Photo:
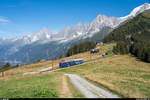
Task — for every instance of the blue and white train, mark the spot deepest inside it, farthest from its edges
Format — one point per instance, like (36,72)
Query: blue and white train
(70,62)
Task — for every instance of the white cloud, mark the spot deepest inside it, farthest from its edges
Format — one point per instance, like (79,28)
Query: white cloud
(3,20)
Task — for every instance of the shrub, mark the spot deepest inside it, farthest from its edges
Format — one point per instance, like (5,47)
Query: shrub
(45,93)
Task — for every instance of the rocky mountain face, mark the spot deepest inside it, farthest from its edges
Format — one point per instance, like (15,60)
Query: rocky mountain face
(50,44)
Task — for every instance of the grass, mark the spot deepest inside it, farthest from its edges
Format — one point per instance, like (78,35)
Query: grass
(145,76)
(45,86)
(123,74)
(7,68)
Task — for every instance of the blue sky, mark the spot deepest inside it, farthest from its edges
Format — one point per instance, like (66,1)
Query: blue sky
(19,17)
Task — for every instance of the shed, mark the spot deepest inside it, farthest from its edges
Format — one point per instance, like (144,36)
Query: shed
(94,50)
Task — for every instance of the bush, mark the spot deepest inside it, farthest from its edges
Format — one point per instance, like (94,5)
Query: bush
(47,93)
(7,65)
(38,60)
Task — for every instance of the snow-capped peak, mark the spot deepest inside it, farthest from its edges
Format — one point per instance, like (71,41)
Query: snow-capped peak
(44,34)
(140,9)
(81,29)
(137,11)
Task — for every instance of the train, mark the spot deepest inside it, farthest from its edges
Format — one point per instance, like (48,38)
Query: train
(70,62)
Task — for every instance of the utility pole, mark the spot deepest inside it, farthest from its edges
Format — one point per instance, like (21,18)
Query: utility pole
(90,55)
(2,61)
(52,64)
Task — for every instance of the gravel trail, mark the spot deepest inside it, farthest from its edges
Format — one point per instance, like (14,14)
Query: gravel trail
(89,90)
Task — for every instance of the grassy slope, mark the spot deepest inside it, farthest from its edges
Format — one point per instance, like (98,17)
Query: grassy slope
(46,85)
(124,75)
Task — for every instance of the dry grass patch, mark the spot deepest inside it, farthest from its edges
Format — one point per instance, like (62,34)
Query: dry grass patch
(65,93)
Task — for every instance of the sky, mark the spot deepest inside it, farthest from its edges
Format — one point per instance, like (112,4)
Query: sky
(18,17)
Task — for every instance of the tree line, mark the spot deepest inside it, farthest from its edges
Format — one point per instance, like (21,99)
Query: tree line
(81,47)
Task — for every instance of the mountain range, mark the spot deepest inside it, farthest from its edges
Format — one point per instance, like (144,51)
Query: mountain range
(51,45)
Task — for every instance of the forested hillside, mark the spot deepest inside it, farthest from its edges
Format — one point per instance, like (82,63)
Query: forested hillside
(133,37)
(81,47)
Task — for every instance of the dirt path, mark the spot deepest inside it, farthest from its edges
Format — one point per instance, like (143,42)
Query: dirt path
(65,92)
(88,89)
